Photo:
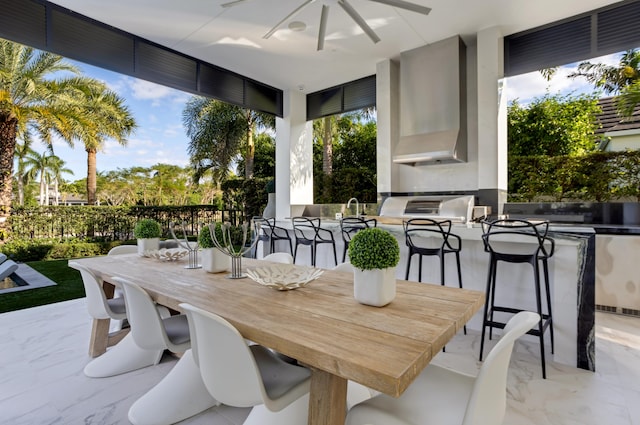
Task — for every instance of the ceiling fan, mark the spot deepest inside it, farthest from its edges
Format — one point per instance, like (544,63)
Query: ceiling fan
(324,16)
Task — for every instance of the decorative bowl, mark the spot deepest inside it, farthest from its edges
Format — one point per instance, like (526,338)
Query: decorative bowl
(167,254)
(284,277)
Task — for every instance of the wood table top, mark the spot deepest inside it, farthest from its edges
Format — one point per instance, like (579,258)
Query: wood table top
(321,324)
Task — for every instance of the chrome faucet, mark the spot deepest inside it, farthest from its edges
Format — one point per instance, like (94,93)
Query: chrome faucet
(357,206)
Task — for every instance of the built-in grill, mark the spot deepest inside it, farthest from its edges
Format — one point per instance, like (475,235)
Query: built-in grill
(457,209)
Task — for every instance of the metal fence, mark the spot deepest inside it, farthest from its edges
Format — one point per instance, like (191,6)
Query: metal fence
(109,223)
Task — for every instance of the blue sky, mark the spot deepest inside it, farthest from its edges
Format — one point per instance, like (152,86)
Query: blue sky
(160,137)
(528,86)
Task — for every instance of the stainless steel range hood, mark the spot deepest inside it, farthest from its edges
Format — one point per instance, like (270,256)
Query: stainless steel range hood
(433,105)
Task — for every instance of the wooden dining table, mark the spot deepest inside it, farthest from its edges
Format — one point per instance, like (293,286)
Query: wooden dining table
(321,324)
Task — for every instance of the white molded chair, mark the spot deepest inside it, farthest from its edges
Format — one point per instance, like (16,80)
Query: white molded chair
(116,325)
(180,394)
(128,355)
(7,267)
(279,257)
(123,249)
(344,267)
(441,396)
(98,305)
(240,375)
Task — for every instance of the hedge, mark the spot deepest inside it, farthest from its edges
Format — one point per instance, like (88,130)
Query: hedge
(600,176)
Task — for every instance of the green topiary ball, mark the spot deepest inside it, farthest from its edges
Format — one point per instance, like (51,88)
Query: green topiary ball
(374,248)
(204,238)
(147,228)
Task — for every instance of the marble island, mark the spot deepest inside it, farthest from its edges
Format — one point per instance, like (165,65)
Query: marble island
(572,279)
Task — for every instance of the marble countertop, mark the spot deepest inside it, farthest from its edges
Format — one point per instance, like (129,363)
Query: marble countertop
(468,231)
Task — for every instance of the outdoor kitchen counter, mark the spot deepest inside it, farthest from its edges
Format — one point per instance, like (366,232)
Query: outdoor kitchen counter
(572,279)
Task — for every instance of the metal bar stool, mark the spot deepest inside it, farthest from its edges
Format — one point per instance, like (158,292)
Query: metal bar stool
(308,232)
(259,233)
(349,226)
(430,237)
(270,233)
(425,236)
(524,242)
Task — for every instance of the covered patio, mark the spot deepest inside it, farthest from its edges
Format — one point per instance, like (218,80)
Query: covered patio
(212,49)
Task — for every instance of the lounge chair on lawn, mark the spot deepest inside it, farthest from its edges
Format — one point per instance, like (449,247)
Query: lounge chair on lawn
(7,267)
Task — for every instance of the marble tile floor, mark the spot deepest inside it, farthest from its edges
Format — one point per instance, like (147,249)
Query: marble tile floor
(43,351)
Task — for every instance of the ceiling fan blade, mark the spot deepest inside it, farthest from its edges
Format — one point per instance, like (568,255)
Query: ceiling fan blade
(286,18)
(405,5)
(322,32)
(232,3)
(359,20)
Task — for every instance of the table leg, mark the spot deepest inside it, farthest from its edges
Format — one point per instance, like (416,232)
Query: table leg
(99,337)
(327,398)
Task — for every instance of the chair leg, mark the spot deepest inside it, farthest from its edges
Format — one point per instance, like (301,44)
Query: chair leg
(460,281)
(419,268)
(493,296)
(290,248)
(344,253)
(406,275)
(541,323)
(486,305)
(313,254)
(272,246)
(335,255)
(295,253)
(441,257)
(545,268)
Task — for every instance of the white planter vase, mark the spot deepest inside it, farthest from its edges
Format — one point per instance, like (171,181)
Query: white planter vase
(374,287)
(150,244)
(214,260)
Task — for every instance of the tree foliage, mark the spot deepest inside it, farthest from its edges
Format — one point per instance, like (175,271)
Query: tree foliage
(622,79)
(553,125)
(354,163)
(219,133)
(40,94)
(215,130)
(264,161)
(611,78)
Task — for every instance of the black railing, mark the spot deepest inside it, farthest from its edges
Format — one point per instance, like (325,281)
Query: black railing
(107,222)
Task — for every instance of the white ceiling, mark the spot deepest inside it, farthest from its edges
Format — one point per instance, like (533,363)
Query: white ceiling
(232,38)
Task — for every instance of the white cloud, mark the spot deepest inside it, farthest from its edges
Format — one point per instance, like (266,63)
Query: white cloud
(144,90)
(528,86)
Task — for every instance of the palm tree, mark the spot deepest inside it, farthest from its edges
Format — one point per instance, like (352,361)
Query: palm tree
(255,120)
(107,118)
(39,92)
(219,132)
(56,168)
(39,165)
(22,177)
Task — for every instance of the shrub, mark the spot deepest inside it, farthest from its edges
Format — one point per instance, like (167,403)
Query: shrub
(204,237)
(25,250)
(147,228)
(374,248)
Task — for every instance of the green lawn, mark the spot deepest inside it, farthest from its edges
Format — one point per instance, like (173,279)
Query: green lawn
(69,286)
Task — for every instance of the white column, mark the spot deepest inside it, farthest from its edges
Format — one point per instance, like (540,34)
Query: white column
(492,113)
(388,121)
(294,155)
